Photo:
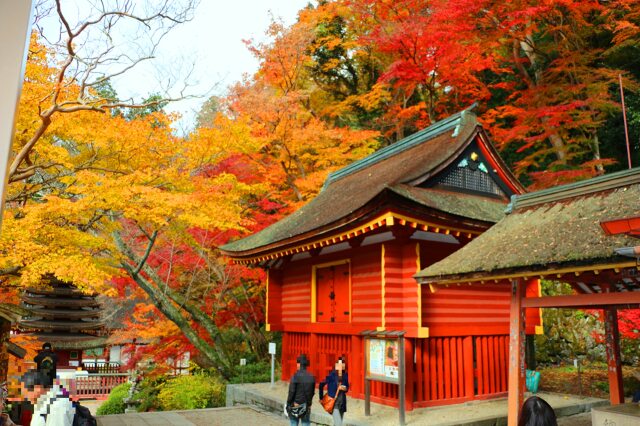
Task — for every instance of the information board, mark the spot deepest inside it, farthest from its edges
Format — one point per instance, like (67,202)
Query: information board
(382,359)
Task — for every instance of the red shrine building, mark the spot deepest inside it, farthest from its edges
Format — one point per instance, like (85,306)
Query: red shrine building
(344,265)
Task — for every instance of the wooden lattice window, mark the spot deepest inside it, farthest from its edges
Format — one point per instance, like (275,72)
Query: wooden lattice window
(471,176)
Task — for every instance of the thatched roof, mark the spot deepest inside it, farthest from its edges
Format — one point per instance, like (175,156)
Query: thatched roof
(548,230)
(400,168)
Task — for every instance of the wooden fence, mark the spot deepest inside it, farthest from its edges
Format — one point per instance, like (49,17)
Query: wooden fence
(95,386)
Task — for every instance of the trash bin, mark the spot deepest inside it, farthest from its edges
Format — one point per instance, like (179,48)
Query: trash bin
(532,381)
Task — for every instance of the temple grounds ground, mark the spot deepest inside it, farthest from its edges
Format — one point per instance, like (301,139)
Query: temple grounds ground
(251,415)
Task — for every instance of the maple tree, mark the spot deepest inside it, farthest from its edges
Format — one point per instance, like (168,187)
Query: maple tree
(104,194)
(98,183)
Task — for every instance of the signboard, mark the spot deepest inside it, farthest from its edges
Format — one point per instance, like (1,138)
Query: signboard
(272,348)
(382,359)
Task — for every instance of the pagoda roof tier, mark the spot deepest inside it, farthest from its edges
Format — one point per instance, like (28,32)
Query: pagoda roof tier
(412,170)
(71,341)
(551,232)
(65,313)
(59,302)
(58,291)
(61,325)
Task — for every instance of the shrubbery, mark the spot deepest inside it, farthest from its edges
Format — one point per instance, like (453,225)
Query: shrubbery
(254,372)
(191,392)
(115,403)
(147,393)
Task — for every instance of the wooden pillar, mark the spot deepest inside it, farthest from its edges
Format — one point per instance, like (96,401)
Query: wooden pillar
(531,352)
(284,357)
(410,376)
(612,339)
(516,351)
(469,373)
(355,369)
(5,327)
(314,356)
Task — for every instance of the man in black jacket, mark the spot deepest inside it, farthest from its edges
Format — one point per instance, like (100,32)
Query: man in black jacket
(47,362)
(301,389)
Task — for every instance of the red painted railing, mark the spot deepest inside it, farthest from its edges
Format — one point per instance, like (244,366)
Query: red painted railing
(95,386)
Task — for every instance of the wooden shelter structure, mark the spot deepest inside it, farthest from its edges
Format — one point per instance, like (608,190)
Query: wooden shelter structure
(344,263)
(557,234)
(66,317)
(9,315)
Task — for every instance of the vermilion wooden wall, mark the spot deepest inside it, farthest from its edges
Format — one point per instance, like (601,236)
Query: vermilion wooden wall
(464,358)
(478,309)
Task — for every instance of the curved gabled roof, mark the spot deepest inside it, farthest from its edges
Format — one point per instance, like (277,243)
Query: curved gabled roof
(348,190)
(549,230)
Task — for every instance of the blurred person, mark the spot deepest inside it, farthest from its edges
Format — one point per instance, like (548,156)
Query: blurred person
(301,389)
(52,406)
(337,383)
(47,361)
(537,412)
(5,420)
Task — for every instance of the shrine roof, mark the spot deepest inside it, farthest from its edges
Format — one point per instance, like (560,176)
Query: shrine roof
(556,229)
(465,205)
(398,168)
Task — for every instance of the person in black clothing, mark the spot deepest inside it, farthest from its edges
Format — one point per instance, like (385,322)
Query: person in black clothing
(47,362)
(301,389)
(337,380)
(537,412)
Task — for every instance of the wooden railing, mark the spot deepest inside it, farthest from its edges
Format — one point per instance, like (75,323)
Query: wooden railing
(96,386)
(102,367)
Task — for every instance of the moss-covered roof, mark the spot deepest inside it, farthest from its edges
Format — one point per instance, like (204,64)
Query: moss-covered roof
(551,229)
(392,168)
(464,205)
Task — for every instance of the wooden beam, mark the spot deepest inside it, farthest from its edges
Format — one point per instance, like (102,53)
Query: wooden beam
(516,351)
(581,300)
(612,340)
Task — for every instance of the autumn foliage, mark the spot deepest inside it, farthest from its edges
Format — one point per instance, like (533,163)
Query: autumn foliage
(107,196)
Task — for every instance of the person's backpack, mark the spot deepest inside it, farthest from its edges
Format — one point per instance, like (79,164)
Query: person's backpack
(83,417)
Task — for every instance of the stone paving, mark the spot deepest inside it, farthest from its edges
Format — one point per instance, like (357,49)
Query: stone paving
(240,415)
(261,405)
(477,413)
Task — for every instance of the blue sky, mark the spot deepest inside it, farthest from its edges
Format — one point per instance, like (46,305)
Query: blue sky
(213,42)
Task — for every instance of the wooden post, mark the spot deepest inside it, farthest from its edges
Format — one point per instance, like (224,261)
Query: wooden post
(409,373)
(612,338)
(516,351)
(357,380)
(314,357)
(402,366)
(5,328)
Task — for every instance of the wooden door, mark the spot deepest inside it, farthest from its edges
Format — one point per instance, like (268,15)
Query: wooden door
(332,293)
(341,290)
(324,291)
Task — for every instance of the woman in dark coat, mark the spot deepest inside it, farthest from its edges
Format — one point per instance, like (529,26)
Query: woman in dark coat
(338,379)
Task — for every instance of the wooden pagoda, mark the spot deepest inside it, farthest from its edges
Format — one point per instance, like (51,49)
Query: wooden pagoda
(344,263)
(65,317)
(583,234)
